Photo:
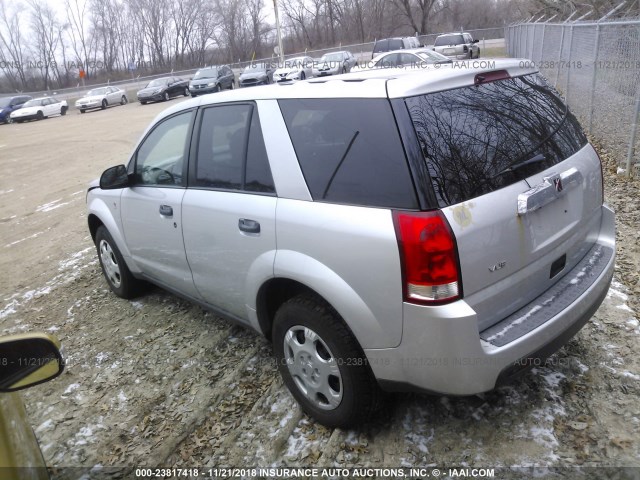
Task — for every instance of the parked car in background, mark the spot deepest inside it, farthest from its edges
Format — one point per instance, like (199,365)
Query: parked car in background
(101,98)
(334,63)
(298,68)
(162,89)
(9,104)
(458,45)
(416,58)
(39,108)
(26,360)
(380,232)
(211,79)
(396,43)
(256,74)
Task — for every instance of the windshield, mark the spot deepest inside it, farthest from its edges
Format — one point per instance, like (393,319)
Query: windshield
(97,91)
(294,62)
(449,40)
(33,103)
(258,67)
(206,73)
(158,82)
(4,102)
(331,57)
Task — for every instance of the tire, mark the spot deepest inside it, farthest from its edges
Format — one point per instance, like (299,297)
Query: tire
(344,69)
(186,92)
(302,76)
(104,104)
(232,86)
(217,89)
(63,111)
(166,96)
(114,268)
(83,111)
(40,115)
(350,394)
(123,100)
(478,56)
(143,103)
(9,120)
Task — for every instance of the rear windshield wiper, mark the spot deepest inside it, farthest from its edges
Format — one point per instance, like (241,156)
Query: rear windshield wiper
(537,159)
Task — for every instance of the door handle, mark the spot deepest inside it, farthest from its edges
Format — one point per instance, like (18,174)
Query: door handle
(166,211)
(248,226)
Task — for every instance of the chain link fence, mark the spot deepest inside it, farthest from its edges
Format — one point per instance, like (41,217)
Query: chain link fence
(596,66)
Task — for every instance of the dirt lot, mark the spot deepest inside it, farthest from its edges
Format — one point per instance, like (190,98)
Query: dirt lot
(159,382)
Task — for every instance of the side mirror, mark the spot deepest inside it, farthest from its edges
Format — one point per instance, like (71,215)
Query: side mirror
(27,360)
(114,177)
(475,41)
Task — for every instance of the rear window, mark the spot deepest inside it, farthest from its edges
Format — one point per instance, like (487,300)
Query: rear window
(449,40)
(471,136)
(350,151)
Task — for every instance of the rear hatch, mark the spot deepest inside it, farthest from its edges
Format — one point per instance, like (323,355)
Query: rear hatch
(518,183)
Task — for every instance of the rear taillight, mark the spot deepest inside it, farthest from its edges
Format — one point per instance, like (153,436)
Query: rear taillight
(429,256)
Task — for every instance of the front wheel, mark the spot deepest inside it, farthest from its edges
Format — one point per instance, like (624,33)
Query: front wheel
(186,92)
(63,111)
(103,105)
(166,96)
(40,115)
(302,76)
(478,56)
(123,100)
(322,364)
(232,86)
(114,268)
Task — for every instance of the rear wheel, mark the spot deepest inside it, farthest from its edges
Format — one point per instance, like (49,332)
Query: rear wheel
(322,364)
(232,85)
(9,120)
(166,96)
(302,76)
(39,115)
(115,270)
(63,110)
(217,89)
(478,56)
(104,104)
(142,102)
(83,110)
(123,100)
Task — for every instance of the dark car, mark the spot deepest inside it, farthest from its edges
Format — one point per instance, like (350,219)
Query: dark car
(256,74)
(9,104)
(163,89)
(211,79)
(396,43)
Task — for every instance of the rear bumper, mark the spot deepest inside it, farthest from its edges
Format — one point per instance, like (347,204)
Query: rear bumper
(443,352)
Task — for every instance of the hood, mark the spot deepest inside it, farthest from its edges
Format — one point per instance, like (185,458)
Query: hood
(91,98)
(203,81)
(286,70)
(26,111)
(148,90)
(253,75)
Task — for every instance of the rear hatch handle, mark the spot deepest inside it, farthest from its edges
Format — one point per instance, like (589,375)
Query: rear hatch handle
(552,187)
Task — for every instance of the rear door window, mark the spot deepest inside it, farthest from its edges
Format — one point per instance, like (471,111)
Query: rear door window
(350,151)
(472,137)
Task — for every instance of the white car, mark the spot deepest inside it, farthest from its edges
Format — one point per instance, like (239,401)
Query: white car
(101,98)
(39,108)
(298,68)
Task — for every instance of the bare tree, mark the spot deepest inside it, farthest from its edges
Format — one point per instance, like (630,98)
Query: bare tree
(12,49)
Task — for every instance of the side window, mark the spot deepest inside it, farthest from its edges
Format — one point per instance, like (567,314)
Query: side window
(407,59)
(231,151)
(350,151)
(388,61)
(161,157)
(258,173)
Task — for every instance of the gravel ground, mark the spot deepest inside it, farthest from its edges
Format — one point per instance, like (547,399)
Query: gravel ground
(160,382)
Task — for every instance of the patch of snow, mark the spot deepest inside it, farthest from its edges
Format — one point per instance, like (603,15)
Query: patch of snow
(47,207)
(44,426)
(71,388)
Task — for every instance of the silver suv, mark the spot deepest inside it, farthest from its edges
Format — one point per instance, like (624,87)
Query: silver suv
(458,45)
(438,231)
